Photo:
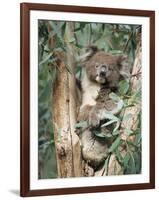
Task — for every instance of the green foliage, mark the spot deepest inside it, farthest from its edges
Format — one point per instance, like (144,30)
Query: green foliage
(123,87)
(115,144)
(113,38)
(112,119)
(47,160)
(131,161)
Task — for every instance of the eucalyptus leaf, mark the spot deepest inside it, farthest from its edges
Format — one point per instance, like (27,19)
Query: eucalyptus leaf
(116,132)
(71,40)
(119,156)
(110,116)
(116,52)
(108,123)
(117,126)
(113,119)
(126,160)
(45,94)
(46,58)
(115,144)
(114,97)
(102,135)
(129,132)
(132,164)
(137,157)
(123,87)
(106,164)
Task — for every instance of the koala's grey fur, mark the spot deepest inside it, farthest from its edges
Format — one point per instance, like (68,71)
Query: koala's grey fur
(101,74)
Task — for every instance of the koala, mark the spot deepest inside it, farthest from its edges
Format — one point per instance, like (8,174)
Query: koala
(94,148)
(100,70)
(101,74)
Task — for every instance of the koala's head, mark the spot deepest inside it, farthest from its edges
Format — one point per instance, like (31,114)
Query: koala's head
(102,67)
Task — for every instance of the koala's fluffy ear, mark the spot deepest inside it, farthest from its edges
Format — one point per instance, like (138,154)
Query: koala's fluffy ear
(124,66)
(89,52)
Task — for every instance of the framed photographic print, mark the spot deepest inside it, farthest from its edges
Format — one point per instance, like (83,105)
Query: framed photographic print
(87,99)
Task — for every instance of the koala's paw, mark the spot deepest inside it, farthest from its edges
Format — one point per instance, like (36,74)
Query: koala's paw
(94,120)
(88,170)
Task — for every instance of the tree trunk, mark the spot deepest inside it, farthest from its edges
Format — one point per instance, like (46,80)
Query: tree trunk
(132,122)
(68,150)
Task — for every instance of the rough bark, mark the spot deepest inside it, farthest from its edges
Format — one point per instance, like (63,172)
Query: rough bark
(68,151)
(76,149)
(132,122)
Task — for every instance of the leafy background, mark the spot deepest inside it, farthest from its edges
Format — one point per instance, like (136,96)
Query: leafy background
(113,38)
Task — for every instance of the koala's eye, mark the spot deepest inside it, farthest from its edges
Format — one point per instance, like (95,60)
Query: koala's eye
(96,66)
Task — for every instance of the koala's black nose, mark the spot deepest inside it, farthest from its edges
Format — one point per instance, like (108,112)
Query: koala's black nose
(102,73)
(103,70)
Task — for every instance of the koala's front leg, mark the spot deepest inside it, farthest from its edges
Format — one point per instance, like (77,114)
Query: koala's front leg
(84,113)
(83,116)
(96,114)
(99,111)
